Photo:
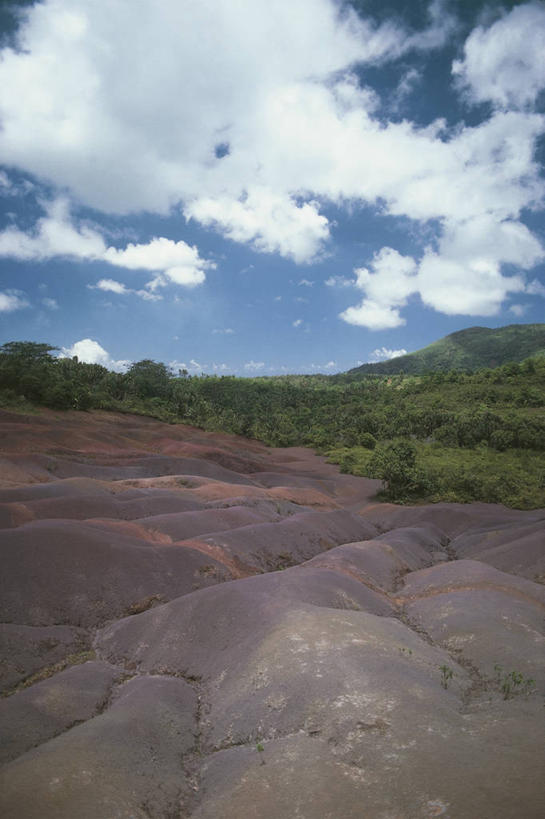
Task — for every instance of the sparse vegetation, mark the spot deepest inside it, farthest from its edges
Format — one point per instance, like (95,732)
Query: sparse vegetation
(145,604)
(512,683)
(50,670)
(446,675)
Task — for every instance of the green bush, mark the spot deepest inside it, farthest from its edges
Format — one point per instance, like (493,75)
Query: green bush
(395,464)
(367,440)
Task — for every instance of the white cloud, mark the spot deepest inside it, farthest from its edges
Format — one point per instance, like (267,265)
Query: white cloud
(535,288)
(297,323)
(306,283)
(112,286)
(228,331)
(406,85)
(50,304)
(11,300)
(442,24)
(340,281)
(56,236)
(270,222)
(280,91)
(91,352)
(372,315)
(384,354)
(196,368)
(124,132)
(505,63)
(386,289)
(463,276)
(321,367)
(518,310)
(254,366)
(472,289)
(5,184)
(192,367)
(178,262)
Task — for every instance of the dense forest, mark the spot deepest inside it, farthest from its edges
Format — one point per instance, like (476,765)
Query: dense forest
(456,436)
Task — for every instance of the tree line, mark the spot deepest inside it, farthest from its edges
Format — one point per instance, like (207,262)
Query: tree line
(498,409)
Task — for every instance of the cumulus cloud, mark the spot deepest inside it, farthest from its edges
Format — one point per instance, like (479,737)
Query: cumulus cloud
(55,235)
(250,121)
(112,117)
(384,354)
(254,366)
(505,63)
(11,300)
(270,222)
(178,262)
(387,287)
(91,352)
(297,323)
(465,275)
(462,276)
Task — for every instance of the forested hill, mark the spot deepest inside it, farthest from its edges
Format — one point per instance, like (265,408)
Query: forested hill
(469,349)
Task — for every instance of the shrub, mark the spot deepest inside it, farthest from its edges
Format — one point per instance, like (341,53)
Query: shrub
(395,465)
(367,440)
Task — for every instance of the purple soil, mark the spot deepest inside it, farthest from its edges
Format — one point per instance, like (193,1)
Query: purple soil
(196,625)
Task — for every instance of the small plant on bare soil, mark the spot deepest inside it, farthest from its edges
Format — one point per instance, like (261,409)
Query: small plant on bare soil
(260,748)
(446,675)
(512,683)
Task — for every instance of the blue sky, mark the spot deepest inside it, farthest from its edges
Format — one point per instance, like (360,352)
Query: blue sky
(240,186)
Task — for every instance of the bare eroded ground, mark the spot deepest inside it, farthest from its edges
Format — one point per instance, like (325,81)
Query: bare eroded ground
(195,625)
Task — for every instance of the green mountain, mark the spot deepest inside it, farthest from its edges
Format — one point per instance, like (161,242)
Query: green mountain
(468,349)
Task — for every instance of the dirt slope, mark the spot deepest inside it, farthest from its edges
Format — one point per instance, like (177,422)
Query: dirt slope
(195,625)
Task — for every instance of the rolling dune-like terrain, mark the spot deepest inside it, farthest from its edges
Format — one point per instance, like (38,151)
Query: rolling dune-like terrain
(197,625)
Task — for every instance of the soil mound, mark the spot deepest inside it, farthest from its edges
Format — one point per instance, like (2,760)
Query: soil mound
(197,626)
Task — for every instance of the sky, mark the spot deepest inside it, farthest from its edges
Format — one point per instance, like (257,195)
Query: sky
(255,188)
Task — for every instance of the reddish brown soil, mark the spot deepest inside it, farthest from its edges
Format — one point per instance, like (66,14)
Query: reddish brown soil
(196,625)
